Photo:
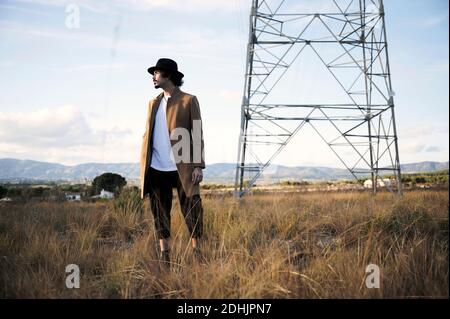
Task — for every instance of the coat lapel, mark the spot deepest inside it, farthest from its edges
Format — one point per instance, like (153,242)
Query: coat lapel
(154,109)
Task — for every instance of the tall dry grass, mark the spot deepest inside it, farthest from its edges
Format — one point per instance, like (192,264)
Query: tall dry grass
(266,246)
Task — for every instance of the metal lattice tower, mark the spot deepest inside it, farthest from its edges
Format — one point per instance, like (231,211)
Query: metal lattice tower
(349,39)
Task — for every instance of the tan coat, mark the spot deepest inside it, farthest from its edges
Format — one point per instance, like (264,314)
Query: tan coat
(182,109)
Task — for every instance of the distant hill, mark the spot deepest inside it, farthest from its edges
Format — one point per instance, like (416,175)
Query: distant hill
(14,169)
(226,172)
(11,169)
(424,167)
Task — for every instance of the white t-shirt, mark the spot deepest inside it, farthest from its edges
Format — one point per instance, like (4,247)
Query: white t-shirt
(162,156)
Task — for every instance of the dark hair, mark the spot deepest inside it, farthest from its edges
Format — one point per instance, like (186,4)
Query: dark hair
(174,77)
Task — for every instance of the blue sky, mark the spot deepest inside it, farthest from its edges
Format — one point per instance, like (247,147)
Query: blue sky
(80,95)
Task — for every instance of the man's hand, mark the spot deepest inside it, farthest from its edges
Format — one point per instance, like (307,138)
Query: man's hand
(197,175)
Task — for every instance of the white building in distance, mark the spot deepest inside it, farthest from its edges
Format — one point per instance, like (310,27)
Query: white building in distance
(104,194)
(386,182)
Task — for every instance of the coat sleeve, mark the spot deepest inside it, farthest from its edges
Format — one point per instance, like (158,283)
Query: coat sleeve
(198,155)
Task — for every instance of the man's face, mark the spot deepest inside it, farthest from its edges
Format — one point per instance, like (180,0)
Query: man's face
(158,80)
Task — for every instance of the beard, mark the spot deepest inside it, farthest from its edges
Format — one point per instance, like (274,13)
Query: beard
(157,86)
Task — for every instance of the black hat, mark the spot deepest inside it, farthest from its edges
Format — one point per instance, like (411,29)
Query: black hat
(167,65)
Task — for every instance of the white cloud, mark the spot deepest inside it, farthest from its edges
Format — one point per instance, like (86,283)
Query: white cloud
(12,27)
(91,5)
(232,96)
(143,5)
(310,6)
(433,149)
(73,155)
(5,7)
(198,44)
(176,5)
(97,67)
(433,21)
(64,135)
(438,67)
(422,131)
(415,148)
(61,127)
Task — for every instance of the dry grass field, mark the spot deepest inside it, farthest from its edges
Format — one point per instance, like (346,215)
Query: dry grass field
(267,246)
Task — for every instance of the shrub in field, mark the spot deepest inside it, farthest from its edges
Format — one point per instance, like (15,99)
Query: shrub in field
(129,200)
(124,215)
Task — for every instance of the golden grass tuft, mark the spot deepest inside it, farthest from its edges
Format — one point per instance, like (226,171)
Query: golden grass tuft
(266,246)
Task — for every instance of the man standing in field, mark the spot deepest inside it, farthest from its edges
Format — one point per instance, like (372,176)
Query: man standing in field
(172,156)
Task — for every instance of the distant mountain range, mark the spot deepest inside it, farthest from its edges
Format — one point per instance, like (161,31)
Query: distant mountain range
(19,170)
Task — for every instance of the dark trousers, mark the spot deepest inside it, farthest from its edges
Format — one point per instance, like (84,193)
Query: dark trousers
(160,186)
